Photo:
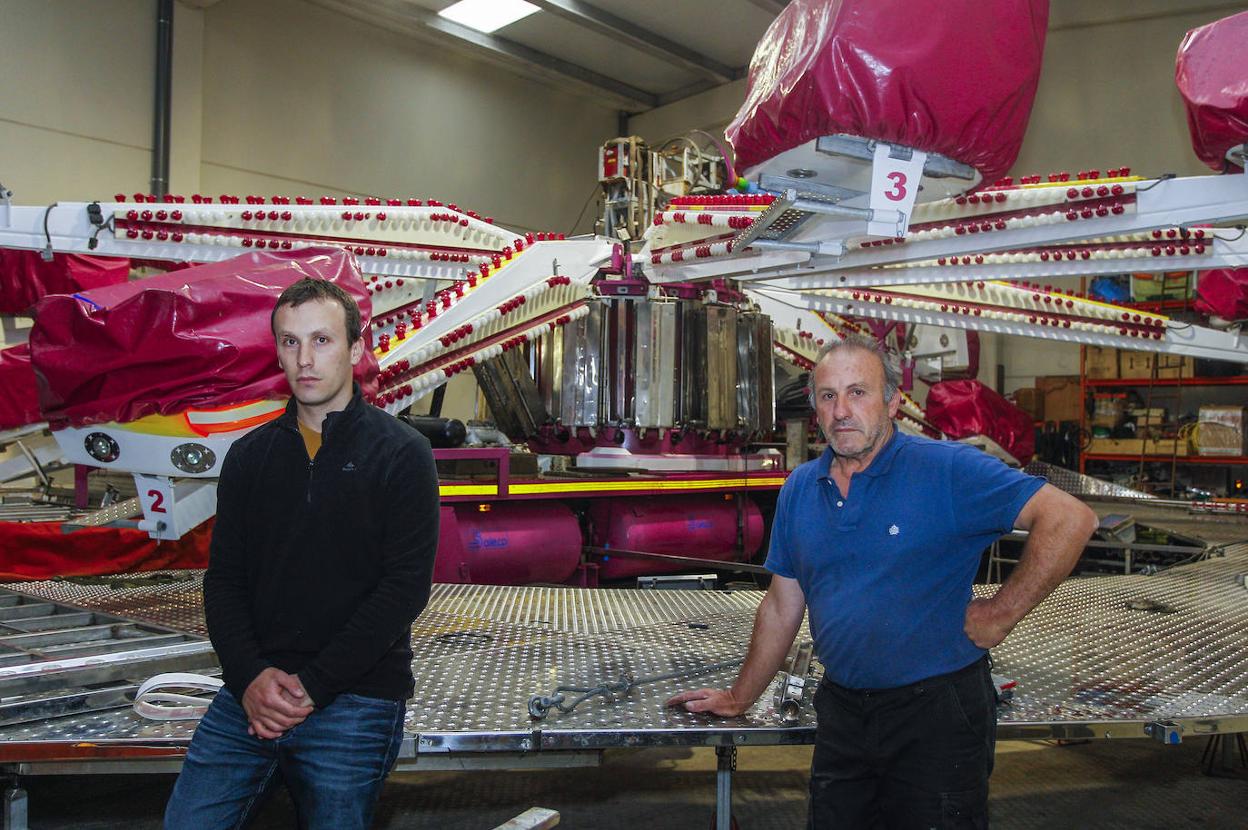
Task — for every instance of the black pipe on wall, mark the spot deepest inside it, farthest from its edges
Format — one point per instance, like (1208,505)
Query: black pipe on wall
(164,94)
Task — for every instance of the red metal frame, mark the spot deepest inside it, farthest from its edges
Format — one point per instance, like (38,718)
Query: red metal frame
(1181,459)
(1233,380)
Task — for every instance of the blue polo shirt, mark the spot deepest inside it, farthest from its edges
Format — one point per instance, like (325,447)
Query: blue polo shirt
(887,570)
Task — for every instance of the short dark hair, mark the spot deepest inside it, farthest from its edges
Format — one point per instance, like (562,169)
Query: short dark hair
(309,289)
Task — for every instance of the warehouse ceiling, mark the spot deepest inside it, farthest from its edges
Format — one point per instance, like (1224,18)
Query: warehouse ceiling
(634,56)
(642,54)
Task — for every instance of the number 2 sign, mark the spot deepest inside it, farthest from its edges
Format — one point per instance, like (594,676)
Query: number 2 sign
(156,496)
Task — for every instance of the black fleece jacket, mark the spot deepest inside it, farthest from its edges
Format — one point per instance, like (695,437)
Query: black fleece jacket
(319,567)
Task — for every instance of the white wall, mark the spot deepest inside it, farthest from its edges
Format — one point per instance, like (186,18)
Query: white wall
(299,99)
(76,101)
(1107,96)
(710,110)
(283,97)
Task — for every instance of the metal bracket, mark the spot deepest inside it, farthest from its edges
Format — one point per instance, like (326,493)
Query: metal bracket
(725,766)
(830,247)
(172,507)
(15,805)
(831,192)
(6,204)
(936,166)
(1166,731)
(790,692)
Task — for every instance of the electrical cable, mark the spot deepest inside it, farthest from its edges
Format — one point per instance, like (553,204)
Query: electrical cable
(93,242)
(47,236)
(728,161)
(1160,179)
(1241,228)
(580,215)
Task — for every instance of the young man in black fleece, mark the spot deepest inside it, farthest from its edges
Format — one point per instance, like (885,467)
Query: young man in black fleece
(322,555)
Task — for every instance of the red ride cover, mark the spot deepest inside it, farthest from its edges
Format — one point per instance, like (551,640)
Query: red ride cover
(198,337)
(1211,71)
(1223,292)
(955,77)
(961,408)
(19,399)
(25,277)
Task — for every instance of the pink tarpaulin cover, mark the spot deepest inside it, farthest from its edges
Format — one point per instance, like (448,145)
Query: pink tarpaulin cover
(25,277)
(193,338)
(961,408)
(1223,292)
(1211,71)
(955,77)
(19,400)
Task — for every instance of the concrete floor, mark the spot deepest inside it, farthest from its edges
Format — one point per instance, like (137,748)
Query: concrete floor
(1139,785)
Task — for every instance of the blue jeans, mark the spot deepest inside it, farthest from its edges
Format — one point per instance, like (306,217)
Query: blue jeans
(333,763)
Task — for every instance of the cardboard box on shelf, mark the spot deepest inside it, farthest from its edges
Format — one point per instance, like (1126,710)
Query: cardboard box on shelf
(1153,417)
(1175,366)
(1108,408)
(1063,397)
(1117,446)
(1030,400)
(1135,364)
(1221,430)
(1100,363)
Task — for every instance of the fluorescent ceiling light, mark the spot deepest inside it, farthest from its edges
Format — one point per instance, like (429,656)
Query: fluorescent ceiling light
(488,15)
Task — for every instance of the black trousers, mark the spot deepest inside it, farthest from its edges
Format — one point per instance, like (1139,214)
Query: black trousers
(917,756)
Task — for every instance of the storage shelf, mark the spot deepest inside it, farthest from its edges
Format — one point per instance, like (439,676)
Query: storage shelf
(1233,380)
(1161,305)
(1181,459)
(1162,387)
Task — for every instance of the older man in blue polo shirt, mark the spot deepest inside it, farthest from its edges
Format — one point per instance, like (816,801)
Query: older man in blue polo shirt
(881,538)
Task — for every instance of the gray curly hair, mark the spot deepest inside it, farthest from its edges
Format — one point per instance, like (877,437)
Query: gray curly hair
(892,371)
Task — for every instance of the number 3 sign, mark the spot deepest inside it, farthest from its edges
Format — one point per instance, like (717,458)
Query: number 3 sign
(895,177)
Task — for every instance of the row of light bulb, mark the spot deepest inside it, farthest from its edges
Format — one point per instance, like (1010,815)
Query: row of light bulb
(430,380)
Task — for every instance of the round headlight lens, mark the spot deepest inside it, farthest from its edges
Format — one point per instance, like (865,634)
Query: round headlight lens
(193,458)
(102,447)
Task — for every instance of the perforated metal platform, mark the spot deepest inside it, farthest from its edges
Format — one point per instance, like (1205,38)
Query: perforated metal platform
(1102,657)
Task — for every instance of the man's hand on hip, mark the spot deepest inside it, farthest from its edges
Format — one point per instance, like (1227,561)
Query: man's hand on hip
(984,623)
(713,701)
(275,702)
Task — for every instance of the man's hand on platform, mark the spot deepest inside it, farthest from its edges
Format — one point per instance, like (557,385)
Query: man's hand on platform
(720,702)
(275,702)
(985,624)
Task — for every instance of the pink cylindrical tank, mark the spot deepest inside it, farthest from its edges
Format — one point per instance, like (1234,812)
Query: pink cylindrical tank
(509,543)
(699,526)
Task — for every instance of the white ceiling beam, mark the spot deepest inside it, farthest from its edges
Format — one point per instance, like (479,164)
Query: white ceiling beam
(636,37)
(771,6)
(406,18)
